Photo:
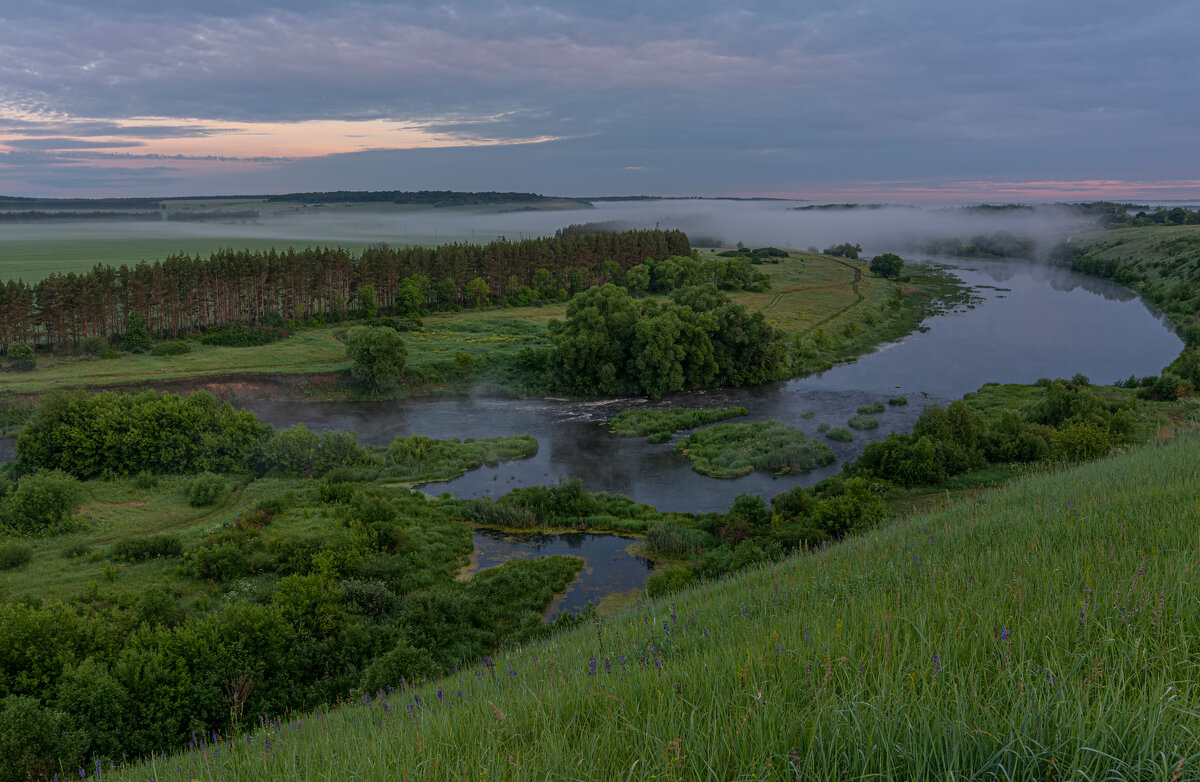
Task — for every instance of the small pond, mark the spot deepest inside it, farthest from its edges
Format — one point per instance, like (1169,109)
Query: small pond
(609,569)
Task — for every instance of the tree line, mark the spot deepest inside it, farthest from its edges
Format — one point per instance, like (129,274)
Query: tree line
(188,293)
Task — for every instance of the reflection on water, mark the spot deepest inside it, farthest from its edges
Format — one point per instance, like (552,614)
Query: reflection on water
(1050,322)
(609,567)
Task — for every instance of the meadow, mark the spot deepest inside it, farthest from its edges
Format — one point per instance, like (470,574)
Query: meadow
(829,308)
(1046,630)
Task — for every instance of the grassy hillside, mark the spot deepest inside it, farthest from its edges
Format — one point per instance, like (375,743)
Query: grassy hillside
(1162,263)
(1046,631)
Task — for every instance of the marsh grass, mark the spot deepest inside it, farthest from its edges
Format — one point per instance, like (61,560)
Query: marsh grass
(733,450)
(1046,630)
(863,422)
(658,425)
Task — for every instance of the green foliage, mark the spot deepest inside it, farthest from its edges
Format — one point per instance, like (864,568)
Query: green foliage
(300,451)
(675,540)
(672,578)
(170,349)
(658,425)
(35,741)
(206,489)
(136,338)
(402,664)
(21,357)
(14,554)
(732,450)
(378,356)
(874,407)
(15,410)
(43,501)
(419,458)
(96,345)
(138,549)
(128,433)
(839,434)
(368,303)
(898,401)
(914,590)
(844,250)
(243,335)
(887,265)
(613,345)
(863,422)
(1081,440)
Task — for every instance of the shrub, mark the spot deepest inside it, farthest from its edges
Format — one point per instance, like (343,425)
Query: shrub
(137,549)
(840,434)
(1080,441)
(14,554)
(35,741)
(206,489)
(676,540)
(170,349)
(242,335)
(221,562)
(136,338)
(21,357)
(864,422)
(45,500)
(874,407)
(898,401)
(669,579)
(887,265)
(377,355)
(95,345)
(145,480)
(404,663)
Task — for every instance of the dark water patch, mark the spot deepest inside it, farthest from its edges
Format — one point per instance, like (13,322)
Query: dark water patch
(609,566)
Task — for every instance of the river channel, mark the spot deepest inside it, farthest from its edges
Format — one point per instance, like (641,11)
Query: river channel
(1032,321)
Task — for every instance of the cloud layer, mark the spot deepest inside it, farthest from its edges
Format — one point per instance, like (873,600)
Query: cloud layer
(813,99)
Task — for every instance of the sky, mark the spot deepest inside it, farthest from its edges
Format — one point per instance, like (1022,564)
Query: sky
(871,100)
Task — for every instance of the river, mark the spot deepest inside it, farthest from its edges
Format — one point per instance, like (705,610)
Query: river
(1032,321)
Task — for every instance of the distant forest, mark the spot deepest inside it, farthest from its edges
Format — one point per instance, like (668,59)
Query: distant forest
(184,293)
(440,198)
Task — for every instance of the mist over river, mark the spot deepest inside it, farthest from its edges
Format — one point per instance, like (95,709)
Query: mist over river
(1032,321)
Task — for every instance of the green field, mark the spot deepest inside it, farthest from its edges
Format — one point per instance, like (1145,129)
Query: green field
(1044,631)
(30,251)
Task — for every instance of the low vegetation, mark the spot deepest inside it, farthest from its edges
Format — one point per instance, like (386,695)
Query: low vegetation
(657,426)
(862,422)
(733,450)
(1061,601)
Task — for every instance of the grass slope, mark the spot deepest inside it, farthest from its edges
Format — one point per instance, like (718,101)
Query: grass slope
(1048,631)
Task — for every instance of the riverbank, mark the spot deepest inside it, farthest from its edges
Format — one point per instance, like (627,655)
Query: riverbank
(831,310)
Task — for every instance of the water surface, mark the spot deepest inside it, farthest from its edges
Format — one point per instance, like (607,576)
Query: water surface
(1032,321)
(609,566)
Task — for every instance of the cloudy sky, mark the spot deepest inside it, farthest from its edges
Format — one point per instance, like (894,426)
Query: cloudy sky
(870,100)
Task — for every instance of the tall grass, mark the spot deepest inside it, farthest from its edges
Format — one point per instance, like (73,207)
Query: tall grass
(1050,631)
(733,450)
(658,425)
